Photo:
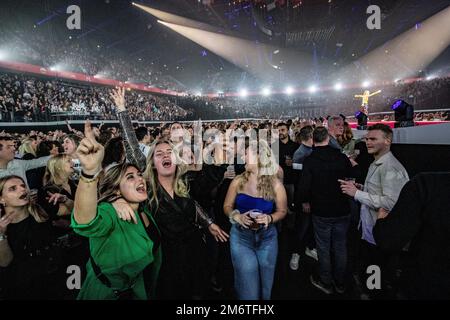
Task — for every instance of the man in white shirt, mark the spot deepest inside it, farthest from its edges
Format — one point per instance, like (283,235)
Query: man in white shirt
(10,166)
(144,139)
(382,187)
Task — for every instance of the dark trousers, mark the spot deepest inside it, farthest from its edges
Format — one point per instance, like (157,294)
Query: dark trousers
(331,244)
(387,262)
(304,235)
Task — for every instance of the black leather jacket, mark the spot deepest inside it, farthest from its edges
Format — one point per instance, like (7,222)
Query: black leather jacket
(137,158)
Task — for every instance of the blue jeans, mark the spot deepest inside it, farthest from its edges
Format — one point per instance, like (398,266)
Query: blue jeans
(254,256)
(331,238)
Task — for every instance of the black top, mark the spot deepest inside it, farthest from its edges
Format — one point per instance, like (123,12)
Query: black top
(28,274)
(183,267)
(287,149)
(50,208)
(421,217)
(319,183)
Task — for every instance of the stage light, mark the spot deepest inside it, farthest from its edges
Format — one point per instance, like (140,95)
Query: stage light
(366,84)
(312,89)
(338,87)
(404,114)
(289,90)
(243,92)
(276,51)
(198,94)
(430,77)
(2,55)
(266,92)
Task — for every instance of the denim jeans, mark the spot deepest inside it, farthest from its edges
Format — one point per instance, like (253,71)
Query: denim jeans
(254,256)
(331,239)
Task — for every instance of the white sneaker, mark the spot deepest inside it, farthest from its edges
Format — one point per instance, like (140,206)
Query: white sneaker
(294,261)
(312,253)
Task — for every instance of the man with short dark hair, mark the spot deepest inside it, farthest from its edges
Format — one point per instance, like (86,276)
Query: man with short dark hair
(305,149)
(287,149)
(384,181)
(144,139)
(11,166)
(320,195)
(303,234)
(335,129)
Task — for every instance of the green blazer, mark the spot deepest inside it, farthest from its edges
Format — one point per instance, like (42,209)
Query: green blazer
(122,250)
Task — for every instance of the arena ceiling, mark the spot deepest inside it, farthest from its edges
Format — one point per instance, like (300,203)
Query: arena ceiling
(332,32)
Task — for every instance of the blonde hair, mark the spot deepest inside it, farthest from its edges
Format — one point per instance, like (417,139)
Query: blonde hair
(180,186)
(267,171)
(54,172)
(35,210)
(26,147)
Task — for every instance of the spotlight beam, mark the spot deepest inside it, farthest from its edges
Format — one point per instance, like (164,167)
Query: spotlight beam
(415,48)
(234,49)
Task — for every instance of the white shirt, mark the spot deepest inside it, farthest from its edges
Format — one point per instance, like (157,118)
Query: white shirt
(145,149)
(384,181)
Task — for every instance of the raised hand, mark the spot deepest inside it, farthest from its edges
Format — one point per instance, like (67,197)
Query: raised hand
(118,97)
(5,220)
(90,152)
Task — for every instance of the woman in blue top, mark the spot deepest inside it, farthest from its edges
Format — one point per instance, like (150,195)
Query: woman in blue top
(260,194)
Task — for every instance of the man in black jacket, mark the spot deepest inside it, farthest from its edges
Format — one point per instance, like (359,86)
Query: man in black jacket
(320,195)
(421,218)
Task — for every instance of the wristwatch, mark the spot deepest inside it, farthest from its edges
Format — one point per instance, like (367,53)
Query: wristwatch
(2,236)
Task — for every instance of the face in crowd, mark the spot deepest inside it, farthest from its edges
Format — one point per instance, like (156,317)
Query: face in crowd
(164,160)
(69,146)
(283,132)
(176,132)
(133,186)
(377,142)
(336,127)
(14,193)
(7,150)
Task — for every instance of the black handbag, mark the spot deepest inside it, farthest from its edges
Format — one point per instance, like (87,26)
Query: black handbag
(126,294)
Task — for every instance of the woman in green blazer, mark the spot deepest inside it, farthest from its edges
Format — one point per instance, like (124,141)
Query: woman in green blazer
(125,258)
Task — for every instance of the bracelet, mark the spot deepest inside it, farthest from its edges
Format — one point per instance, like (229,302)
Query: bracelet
(3,237)
(271,219)
(86,180)
(88,176)
(232,214)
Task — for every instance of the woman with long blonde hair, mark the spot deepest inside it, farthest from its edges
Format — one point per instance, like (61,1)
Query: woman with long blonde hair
(183,272)
(256,199)
(58,191)
(28,148)
(26,244)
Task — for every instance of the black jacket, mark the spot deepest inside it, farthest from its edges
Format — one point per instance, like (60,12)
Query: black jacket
(319,183)
(287,149)
(421,217)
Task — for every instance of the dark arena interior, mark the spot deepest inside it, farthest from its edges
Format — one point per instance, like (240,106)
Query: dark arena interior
(225,151)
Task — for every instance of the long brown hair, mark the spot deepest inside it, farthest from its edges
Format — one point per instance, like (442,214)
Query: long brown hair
(180,186)
(35,210)
(347,135)
(109,183)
